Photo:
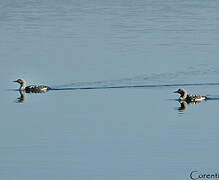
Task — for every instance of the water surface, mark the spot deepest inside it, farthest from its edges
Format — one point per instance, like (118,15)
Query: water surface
(113,67)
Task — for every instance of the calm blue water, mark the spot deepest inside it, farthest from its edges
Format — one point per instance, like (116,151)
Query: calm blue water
(113,66)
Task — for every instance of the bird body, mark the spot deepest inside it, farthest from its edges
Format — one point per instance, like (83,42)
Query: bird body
(31,88)
(189,98)
(195,97)
(36,89)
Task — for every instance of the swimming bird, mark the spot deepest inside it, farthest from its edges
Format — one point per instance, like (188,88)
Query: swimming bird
(189,98)
(31,88)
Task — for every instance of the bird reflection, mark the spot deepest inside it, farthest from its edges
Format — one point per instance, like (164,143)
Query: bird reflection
(22,97)
(184,104)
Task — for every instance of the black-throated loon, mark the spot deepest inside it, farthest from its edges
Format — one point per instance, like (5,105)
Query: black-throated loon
(32,88)
(189,98)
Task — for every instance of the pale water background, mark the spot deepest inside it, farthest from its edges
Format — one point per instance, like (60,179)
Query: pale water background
(145,48)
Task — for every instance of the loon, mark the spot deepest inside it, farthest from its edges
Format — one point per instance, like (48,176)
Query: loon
(189,98)
(32,88)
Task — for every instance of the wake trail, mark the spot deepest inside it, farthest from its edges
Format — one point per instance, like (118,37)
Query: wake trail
(137,86)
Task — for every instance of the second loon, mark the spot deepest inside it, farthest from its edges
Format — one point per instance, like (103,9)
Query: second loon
(189,98)
(32,88)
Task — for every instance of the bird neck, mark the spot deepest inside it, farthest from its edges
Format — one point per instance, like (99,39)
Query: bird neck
(23,86)
(183,95)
